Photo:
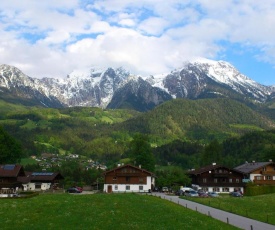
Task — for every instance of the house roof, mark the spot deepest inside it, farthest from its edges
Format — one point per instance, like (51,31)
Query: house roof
(11,170)
(40,176)
(128,165)
(251,167)
(206,168)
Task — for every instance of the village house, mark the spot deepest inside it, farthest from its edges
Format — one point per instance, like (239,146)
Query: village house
(260,173)
(41,181)
(217,178)
(9,174)
(128,178)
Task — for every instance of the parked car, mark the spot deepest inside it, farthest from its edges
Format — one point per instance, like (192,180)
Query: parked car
(191,193)
(213,194)
(179,193)
(236,194)
(202,193)
(73,190)
(79,189)
(165,189)
(184,189)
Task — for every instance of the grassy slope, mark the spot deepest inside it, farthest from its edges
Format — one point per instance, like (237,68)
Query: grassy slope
(101,211)
(255,207)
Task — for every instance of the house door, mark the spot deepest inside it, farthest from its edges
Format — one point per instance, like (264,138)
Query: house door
(110,188)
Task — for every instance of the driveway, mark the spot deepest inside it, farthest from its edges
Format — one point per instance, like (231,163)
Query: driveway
(227,217)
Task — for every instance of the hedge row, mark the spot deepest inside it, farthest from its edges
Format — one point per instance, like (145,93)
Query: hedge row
(259,190)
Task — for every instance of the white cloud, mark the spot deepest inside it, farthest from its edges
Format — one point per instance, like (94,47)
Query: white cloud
(51,37)
(153,26)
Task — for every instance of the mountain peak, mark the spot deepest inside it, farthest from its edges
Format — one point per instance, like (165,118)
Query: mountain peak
(95,87)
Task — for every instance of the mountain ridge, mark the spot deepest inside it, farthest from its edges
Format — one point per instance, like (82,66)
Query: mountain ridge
(118,88)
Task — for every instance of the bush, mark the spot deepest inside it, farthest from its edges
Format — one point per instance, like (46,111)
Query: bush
(259,190)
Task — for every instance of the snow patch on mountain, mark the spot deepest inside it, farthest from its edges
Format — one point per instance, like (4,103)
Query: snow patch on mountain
(96,86)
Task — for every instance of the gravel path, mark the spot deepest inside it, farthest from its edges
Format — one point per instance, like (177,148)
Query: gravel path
(227,217)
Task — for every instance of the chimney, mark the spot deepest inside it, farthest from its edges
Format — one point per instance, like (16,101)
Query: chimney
(118,165)
(270,160)
(213,163)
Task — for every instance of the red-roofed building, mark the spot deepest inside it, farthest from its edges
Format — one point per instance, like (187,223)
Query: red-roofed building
(217,178)
(128,178)
(37,181)
(260,173)
(9,177)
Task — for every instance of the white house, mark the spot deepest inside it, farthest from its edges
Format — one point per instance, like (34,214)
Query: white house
(34,181)
(128,178)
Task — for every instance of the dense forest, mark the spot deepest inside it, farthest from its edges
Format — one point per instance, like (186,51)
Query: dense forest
(183,133)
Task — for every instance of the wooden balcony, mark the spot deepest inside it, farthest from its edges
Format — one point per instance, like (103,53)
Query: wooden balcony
(268,173)
(128,174)
(220,175)
(264,182)
(221,184)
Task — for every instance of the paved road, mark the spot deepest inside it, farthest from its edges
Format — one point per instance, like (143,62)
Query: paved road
(227,217)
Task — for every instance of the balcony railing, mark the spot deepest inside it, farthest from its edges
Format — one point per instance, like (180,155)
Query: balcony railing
(271,173)
(264,182)
(129,174)
(221,184)
(220,175)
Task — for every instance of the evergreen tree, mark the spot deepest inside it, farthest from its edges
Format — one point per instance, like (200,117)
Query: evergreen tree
(212,153)
(10,149)
(171,176)
(141,152)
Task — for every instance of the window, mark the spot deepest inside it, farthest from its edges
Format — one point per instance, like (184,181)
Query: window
(37,186)
(216,189)
(140,179)
(220,171)
(237,180)
(223,180)
(205,189)
(215,180)
(116,187)
(127,187)
(114,178)
(264,169)
(127,179)
(140,187)
(230,180)
(268,177)
(225,189)
(258,177)
(204,180)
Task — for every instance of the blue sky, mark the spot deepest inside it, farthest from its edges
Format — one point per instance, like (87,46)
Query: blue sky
(52,38)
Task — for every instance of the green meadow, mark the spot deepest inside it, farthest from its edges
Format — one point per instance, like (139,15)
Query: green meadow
(101,211)
(255,207)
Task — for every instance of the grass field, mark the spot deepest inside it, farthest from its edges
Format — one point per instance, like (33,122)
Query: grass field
(25,161)
(101,211)
(255,207)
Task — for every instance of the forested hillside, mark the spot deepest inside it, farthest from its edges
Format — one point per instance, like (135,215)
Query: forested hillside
(198,120)
(258,146)
(179,131)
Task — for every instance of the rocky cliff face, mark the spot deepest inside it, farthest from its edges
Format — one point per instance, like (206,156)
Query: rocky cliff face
(117,88)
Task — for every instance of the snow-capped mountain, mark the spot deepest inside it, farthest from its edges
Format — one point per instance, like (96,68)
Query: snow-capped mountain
(117,88)
(201,77)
